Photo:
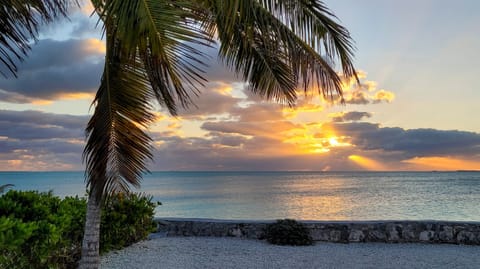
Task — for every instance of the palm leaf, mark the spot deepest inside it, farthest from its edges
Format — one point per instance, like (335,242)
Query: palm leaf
(164,34)
(19,22)
(150,54)
(277,44)
(117,147)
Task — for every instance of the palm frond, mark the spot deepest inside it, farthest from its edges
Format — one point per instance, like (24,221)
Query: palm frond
(165,35)
(150,53)
(117,147)
(277,44)
(19,23)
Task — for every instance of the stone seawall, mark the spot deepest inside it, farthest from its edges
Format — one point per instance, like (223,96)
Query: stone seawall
(335,231)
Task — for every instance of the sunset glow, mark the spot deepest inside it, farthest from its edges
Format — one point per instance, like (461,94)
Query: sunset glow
(367,163)
(443,163)
(400,116)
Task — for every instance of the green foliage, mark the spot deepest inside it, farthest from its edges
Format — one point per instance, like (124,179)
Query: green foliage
(39,230)
(288,232)
(126,219)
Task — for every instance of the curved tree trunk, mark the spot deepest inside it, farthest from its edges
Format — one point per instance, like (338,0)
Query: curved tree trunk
(91,238)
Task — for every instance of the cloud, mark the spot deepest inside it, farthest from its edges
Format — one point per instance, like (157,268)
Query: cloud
(411,143)
(34,140)
(214,100)
(261,136)
(365,93)
(357,98)
(349,116)
(13,97)
(258,135)
(383,96)
(443,163)
(39,118)
(234,131)
(56,69)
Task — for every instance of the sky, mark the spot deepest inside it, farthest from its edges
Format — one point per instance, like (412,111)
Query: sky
(416,108)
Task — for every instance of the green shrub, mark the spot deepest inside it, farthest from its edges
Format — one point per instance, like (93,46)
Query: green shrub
(39,230)
(288,232)
(126,219)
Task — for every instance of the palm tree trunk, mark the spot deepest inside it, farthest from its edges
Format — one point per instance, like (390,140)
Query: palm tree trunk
(91,238)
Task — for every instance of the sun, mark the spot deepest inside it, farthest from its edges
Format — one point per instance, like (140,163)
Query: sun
(333,142)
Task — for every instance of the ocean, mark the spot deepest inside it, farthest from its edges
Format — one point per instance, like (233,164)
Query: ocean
(453,196)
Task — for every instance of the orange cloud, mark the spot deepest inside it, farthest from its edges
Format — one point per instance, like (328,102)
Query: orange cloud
(442,163)
(365,93)
(383,95)
(41,102)
(94,46)
(76,96)
(33,163)
(174,125)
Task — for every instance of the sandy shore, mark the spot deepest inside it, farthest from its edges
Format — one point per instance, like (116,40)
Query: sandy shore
(209,252)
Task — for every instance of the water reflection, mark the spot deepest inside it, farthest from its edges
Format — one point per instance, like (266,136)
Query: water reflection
(299,195)
(315,198)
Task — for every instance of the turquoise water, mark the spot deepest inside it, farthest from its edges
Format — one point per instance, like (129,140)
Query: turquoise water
(299,195)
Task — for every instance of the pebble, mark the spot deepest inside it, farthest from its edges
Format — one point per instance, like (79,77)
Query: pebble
(225,252)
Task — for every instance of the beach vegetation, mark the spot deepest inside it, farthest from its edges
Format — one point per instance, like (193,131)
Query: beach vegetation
(288,232)
(40,230)
(126,219)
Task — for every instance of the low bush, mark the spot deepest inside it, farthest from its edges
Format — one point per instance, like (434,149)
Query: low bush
(126,219)
(39,230)
(288,232)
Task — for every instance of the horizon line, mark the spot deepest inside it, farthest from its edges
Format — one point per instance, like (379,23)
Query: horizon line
(258,171)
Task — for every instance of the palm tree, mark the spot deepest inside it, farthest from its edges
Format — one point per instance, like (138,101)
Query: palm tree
(151,53)
(19,23)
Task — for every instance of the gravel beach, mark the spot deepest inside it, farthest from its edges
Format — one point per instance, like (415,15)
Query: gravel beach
(211,252)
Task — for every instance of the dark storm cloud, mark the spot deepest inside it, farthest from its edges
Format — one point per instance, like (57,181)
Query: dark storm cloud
(54,68)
